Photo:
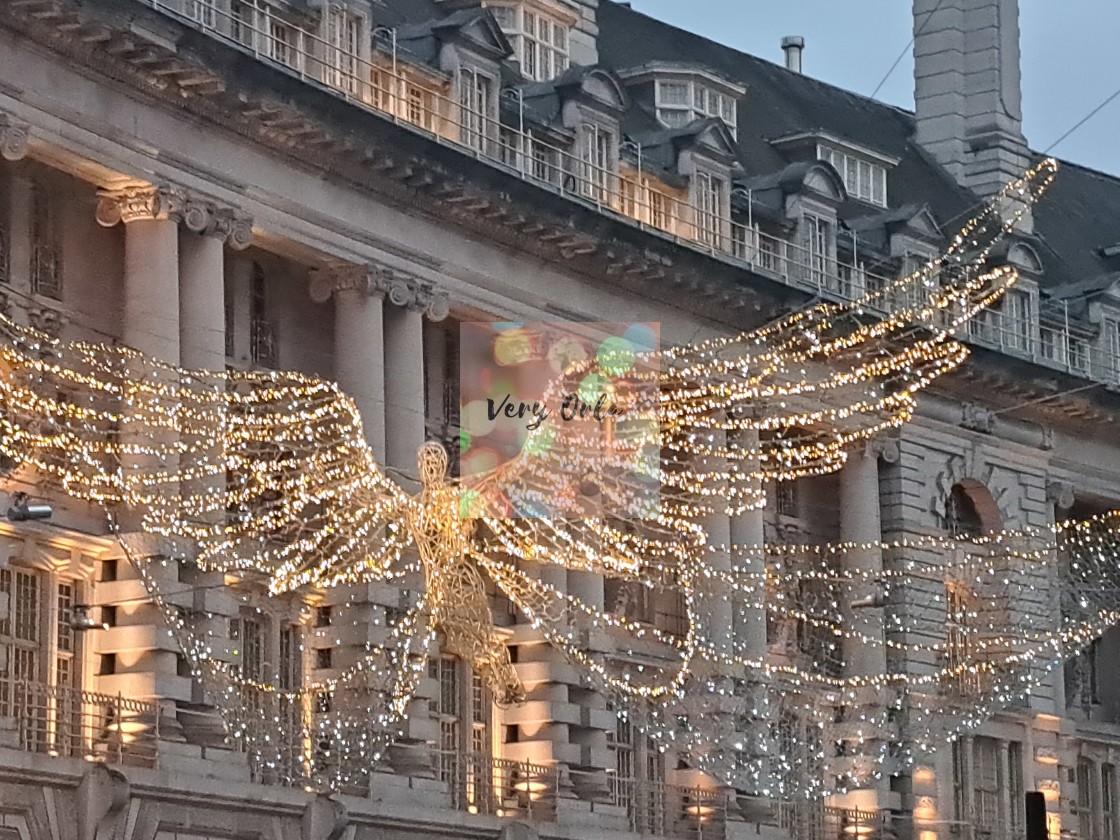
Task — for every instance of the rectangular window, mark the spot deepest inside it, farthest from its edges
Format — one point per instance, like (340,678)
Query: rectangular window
(1016,788)
(474,108)
(539,42)
(248,633)
(1085,800)
(679,103)
(544,162)
(816,241)
(1108,801)
(46,252)
(281,43)
(863,179)
(596,156)
(1112,349)
(343,49)
(1017,321)
(243,22)
(291,659)
(986,779)
(202,12)
(709,209)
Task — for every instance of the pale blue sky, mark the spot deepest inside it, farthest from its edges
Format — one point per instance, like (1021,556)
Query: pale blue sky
(1071,61)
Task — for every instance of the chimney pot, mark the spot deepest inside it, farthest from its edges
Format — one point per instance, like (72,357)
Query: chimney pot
(793,46)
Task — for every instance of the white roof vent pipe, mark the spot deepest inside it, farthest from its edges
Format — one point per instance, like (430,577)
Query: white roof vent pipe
(793,46)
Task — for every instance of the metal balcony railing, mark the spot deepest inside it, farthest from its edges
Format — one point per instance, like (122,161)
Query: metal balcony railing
(387,88)
(815,821)
(663,810)
(62,721)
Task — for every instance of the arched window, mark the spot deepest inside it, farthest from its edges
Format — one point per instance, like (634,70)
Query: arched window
(970,510)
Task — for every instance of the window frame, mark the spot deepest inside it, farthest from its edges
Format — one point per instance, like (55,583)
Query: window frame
(701,101)
(544,53)
(864,179)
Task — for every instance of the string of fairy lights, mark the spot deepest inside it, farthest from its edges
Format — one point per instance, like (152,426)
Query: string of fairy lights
(265,479)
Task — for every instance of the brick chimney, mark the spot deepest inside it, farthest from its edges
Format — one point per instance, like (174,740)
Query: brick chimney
(967,91)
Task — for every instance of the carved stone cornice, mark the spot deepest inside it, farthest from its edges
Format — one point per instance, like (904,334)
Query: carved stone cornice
(13,138)
(158,202)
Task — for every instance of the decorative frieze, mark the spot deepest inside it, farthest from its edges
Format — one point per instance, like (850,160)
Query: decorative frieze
(158,202)
(13,138)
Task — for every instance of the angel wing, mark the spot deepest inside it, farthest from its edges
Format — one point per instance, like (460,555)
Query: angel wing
(268,471)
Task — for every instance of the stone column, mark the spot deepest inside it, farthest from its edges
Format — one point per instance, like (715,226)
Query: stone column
(147,665)
(410,300)
(748,542)
(405,420)
(860,524)
(359,342)
(359,610)
(202,317)
(202,346)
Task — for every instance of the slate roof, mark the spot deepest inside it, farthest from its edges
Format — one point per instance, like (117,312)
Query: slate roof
(1079,217)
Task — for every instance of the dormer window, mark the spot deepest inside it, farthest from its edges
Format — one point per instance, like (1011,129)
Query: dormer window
(681,102)
(538,36)
(344,42)
(863,179)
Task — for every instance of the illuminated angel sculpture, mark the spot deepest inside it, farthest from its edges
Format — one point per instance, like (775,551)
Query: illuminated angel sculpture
(266,477)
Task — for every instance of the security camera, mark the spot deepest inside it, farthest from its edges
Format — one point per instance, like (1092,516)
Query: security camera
(21,511)
(80,620)
(877,599)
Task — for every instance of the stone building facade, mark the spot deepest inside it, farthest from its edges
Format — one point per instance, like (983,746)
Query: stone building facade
(333,187)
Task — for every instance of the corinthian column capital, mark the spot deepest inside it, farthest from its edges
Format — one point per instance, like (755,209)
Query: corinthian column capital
(144,203)
(13,138)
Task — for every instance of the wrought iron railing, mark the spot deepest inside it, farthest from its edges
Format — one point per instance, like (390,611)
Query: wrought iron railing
(62,721)
(382,85)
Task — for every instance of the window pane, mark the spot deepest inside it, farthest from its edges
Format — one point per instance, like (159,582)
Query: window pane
(879,186)
(674,119)
(851,175)
(672,93)
(864,180)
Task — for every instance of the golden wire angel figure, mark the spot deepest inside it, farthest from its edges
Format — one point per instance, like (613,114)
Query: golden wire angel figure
(268,475)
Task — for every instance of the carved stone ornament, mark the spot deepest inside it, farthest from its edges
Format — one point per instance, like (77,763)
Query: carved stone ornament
(46,320)
(341,277)
(13,138)
(141,203)
(232,227)
(884,449)
(1060,493)
(977,419)
(197,214)
(413,294)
